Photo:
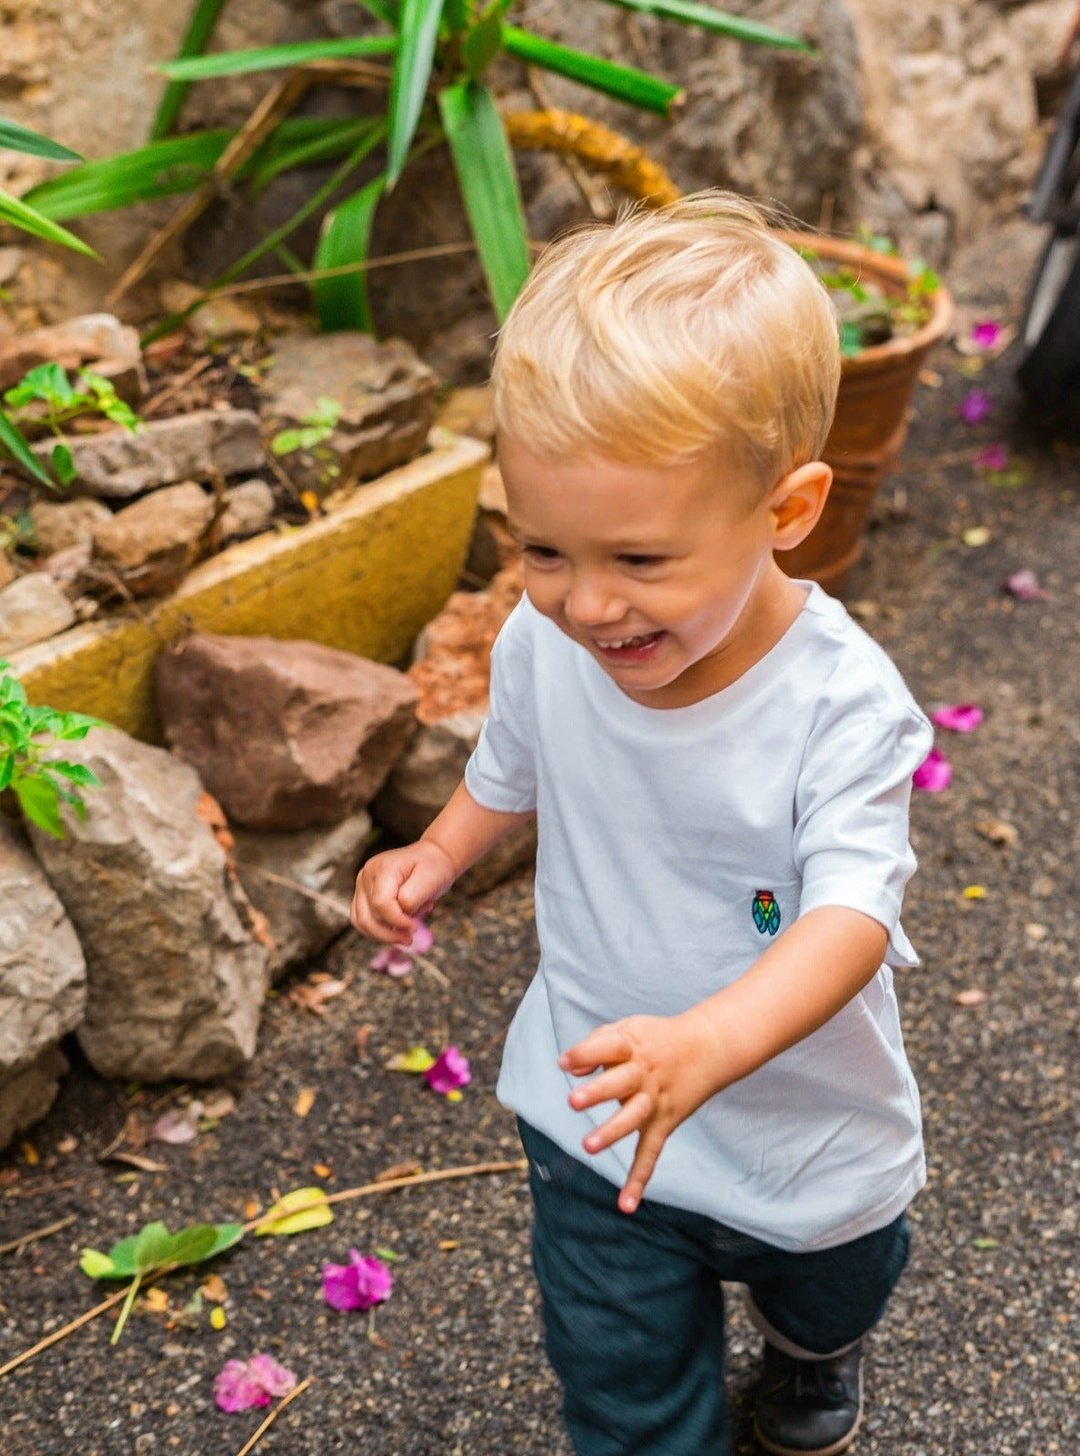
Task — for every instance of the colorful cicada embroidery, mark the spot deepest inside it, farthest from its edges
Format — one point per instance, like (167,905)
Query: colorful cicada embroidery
(766,912)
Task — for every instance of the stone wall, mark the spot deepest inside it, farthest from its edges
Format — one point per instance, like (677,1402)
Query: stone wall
(919,120)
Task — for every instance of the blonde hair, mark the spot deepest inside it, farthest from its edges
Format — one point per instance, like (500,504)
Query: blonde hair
(669,332)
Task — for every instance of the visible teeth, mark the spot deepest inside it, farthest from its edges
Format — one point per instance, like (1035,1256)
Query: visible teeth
(630,641)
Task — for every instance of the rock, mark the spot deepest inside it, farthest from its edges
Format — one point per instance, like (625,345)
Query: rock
(60,524)
(324,860)
(151,545)
(96,341)
(452,675)
(32,608)
(117,465)
(7,571)
(286,735)
(176,976)
(27,1095)
(42,986)
(249,509)
(218,319)
(386,396)
(469,411)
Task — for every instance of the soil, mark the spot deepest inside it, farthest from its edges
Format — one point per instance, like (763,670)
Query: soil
(978,1354)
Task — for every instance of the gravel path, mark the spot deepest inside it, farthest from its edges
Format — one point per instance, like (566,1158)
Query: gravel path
(979,1353)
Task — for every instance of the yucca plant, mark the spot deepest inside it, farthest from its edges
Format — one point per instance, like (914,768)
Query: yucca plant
(436,54)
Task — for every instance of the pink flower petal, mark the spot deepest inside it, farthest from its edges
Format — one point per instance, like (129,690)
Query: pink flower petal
(959,717)
(986,334)
(422,940)
(993,457)
(357,1285)
(934,773)
(975,407)
(1024,585)
(449,1072)
(275,1379)
(236,1389)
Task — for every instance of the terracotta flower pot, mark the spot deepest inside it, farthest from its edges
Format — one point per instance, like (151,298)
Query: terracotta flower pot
(871,418)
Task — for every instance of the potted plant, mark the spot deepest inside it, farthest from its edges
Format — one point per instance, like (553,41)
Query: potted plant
(892,314)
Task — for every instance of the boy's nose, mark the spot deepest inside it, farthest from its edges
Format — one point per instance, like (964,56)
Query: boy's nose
(592,603)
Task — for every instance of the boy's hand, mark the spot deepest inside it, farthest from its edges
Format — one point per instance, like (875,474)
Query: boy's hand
(659,1068)
(396,887)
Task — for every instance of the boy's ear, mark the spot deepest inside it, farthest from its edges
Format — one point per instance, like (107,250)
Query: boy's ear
(797,503)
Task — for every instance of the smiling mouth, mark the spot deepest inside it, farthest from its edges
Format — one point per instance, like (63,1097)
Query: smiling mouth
(627,649)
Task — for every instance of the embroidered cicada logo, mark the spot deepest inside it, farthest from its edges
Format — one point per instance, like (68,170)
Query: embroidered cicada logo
(766,912)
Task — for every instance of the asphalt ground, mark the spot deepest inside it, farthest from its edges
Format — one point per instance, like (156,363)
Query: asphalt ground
(979,1354)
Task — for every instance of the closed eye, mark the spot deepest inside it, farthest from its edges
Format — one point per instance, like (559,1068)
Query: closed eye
(630,560)
(542,553)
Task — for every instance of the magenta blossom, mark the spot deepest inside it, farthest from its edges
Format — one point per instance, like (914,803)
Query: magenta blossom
(242,1385)
(975,407)
(959,717)
(449,1072)
(397,960)
(359,1284)
(934,773)
(993,457)
(1025,586)
(986,334)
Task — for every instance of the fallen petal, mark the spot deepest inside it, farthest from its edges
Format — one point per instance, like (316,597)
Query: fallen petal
(363,1282)
(236,1389)
(178,1125)
(934,773)
(450,1071)
(986,334)
(422,940)
(975,407)
(993,457)
(1024,585)
(275,1379)
(958,717)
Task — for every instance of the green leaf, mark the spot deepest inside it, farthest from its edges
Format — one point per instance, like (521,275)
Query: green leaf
(151,1242)
(315,1213)
(851,339)
(201,26)
(225,1236)
(7,770)
(332,140)
(626,83)
(342,302)
(77,773)
(984,1243)
(189,1245)
(416,1060)
(273,58)
(417,35)
(15,138)
(27,220)
(688,12)
(63,464)
(489,185)
(147,174)
(99,1266)
(12,441)
(40,803)
(384,10)
(122,1255)
(483,43)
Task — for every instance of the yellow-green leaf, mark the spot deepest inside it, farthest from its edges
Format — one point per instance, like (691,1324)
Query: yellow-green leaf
(416,1059)
(285,1219)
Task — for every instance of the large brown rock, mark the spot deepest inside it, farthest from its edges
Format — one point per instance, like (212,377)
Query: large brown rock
(285,735)
(96,341)
(175,967)
(42,986)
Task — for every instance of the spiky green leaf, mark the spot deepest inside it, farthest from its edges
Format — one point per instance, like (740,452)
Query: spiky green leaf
(342,302)
(275,58)
(16,138)
(418,31)
(12,441)
(19,214)
(624,82)
(689,12)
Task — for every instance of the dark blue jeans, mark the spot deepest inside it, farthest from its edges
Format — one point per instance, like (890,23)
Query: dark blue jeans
(634,1315)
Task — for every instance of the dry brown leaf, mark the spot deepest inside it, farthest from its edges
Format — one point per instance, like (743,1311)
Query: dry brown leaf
(398,1170)
(322,1170)
(251,1208)
(135,1160)
(998,831)
(155,1300)
(362,1036)
(445,1245)
(972,997)
(305,1102)
(213,1289)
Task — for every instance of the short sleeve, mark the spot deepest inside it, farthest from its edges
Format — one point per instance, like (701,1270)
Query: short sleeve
(501,773)
(851,813)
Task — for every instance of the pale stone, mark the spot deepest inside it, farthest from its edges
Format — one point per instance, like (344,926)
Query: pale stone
(119,464)
(96,341)
(42,985)
(176,975)
(32,608)
(249,509)
(151,544)
(60,524)
(286,735)
(323,861)
(385,395)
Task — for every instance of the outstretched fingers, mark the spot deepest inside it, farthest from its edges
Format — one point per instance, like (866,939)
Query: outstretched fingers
(648,1151)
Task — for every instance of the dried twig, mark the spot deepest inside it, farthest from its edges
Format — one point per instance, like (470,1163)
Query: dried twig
(180,382)
(249,1445)
(330,901)
(41,1233)
(440,1175)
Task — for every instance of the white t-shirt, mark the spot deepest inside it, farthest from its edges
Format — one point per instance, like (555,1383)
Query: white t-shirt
(673,845)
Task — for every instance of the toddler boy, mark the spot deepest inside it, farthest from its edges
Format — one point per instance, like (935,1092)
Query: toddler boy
(707,1068)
